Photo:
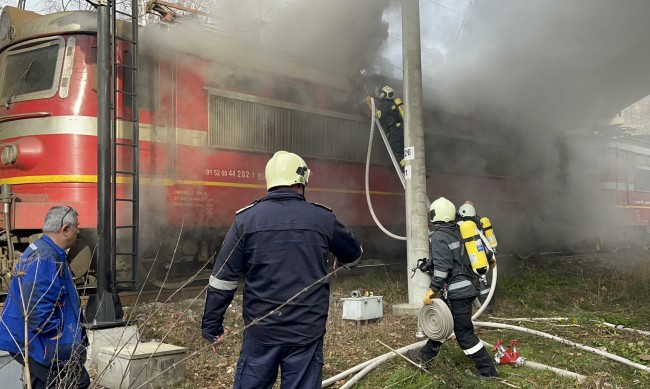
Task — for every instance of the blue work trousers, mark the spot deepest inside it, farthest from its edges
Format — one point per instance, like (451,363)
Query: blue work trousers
(301,366)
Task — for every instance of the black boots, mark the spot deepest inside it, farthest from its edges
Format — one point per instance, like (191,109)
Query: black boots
(421,356)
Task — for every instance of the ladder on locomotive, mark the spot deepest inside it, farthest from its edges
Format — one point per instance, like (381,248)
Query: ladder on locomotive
(125,153)
(398,170)
(400,174)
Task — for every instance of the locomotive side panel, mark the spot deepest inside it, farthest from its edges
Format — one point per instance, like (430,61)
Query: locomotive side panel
(207,128)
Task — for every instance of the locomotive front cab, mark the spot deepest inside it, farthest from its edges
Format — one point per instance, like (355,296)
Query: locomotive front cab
(47,134)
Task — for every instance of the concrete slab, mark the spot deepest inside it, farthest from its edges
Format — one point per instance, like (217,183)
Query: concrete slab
(405,309)
(151,364)
(115,337)
(10,372)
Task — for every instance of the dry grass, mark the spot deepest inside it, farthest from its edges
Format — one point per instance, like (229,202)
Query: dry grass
(614,289)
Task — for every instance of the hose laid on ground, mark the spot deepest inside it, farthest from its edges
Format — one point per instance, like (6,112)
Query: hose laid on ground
(381,359)
(361,366)
(565,342)
(606,324)
(429,329)
(365,367)
(531,318)
(560,372)
(623,328)
(540,366)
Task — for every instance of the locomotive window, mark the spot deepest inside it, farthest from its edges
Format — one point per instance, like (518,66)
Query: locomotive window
(32,70)
(642,179)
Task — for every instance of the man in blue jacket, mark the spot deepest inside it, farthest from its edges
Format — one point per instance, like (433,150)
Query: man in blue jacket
(279,245)
(42,294)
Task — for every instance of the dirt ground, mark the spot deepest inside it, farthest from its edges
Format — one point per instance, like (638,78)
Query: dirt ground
(347,342)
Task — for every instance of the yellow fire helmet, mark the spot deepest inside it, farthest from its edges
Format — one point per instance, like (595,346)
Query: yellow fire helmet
(442,210)
(467,210)
(286,169)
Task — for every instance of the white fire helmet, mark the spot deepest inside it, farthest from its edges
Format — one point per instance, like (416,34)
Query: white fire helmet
(442,210)
(467,210)
(286,169)
(385,92)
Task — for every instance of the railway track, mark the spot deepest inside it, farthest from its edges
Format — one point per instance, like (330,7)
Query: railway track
(572,254)
(129,298)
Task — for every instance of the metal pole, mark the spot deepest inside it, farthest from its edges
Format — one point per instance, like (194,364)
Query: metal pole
(103,148)
(417,223)
(103,308)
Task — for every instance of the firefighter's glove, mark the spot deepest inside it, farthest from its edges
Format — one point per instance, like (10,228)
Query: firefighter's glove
(368,100)
(493,264)
(428,299)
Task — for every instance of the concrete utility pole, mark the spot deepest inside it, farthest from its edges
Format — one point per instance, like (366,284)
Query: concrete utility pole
(417,223)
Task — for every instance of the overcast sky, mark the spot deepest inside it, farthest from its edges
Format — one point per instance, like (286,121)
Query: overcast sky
(440,24)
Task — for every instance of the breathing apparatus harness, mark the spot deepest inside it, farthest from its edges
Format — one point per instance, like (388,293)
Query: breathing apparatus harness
(436,320)
(395,116)
(463,268)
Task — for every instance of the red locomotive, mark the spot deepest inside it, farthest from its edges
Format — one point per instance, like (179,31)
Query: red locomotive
(622,169)
(208,124)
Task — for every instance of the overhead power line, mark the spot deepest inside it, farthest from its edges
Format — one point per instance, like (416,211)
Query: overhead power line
(447,8)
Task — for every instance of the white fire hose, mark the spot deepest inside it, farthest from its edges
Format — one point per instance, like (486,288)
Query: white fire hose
(370,208)
(436,321)
(367,366)
(567,343)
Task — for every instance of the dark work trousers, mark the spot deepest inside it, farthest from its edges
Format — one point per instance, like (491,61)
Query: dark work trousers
(71,375)
(301,366)
(471,345)
(396,141)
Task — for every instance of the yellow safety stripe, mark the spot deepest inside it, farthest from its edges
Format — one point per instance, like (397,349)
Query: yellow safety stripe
(91,179)
(632,206)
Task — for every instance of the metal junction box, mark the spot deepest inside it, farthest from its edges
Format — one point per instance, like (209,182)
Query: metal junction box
(134,365)
(362,308)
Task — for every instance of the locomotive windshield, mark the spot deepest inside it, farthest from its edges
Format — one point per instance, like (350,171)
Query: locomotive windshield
(31,71)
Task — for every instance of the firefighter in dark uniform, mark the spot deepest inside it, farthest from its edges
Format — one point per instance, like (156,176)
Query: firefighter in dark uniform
(388,110)
(279,245)
(452,267)
(468,212)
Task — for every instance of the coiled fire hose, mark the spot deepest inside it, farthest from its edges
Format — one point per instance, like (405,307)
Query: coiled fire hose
(436,321)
